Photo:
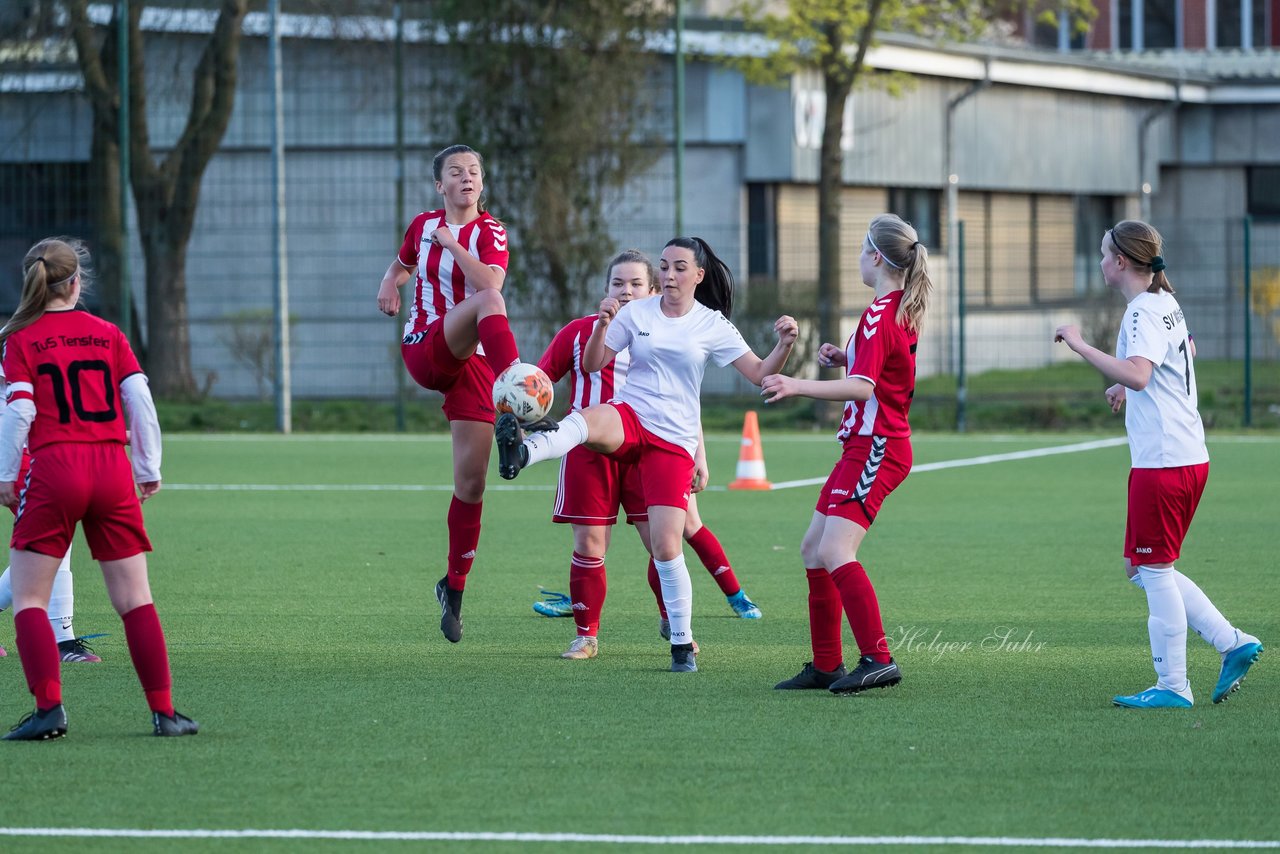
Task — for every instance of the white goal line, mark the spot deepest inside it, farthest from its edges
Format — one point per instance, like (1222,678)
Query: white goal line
(983,460)
(622,839)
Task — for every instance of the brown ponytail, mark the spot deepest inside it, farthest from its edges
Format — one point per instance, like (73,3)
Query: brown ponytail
(900,246)
(48,271)
(1142,244)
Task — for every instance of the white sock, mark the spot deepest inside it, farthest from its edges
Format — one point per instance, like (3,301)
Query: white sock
(677,596)
(62,601)
(1202,616)
(6,590)
(1167,628)
(553,444)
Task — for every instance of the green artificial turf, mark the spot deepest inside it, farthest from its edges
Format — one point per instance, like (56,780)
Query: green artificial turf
(303,635)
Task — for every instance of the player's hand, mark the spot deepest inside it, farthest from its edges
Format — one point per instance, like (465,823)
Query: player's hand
(831,356)
(146,490)
(1069,335)
(701,475)
(8,495)
(444,238)
(1115,397)
(389,299)
(608,310)
(776,387)
(787,328)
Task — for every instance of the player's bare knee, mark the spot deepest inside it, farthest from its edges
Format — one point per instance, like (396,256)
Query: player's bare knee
(490,302)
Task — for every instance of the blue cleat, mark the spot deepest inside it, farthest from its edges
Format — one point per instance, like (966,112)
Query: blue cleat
(744,607)
(1235,664)
(1153,698)
(553,604)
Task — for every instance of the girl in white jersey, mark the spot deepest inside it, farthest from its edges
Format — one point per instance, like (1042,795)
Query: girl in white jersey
(1153,371)
(592,486)
(880,367)
(655,421)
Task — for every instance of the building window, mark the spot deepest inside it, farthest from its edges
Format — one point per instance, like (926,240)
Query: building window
(1157,24)
(762,230)
(38,200)
(920,208)
(1264,192)
(1241,24)
(1094,215)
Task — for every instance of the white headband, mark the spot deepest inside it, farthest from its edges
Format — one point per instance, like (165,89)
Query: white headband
(872,241)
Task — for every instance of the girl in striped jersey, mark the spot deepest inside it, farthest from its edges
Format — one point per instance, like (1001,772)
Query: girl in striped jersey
(456,341)
(880,379)
(592,486)
(654,422)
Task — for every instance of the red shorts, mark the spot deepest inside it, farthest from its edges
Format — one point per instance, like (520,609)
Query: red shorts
(870,468)
(86,482)
(665,469)
(1162,503)
(591,488)
(467,383)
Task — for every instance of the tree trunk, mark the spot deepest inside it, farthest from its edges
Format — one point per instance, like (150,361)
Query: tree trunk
(830,188)
(168,332)
(108,247)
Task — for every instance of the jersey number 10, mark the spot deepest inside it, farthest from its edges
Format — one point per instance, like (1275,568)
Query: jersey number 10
(73,380)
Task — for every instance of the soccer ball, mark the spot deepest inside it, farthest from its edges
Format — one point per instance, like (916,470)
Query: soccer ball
(524,391)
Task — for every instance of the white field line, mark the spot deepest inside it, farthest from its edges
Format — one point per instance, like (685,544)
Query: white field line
(983,460)
(619,839)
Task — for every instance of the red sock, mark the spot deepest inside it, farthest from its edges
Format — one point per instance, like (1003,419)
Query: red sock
(655,584)
(824,620)
(38,650)
(708,549)
(863,609)
(498,342)
(464,536)
(145,638)
(587,589)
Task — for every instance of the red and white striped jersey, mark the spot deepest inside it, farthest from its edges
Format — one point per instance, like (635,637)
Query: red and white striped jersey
(440,282)
(564,357)
(883,352)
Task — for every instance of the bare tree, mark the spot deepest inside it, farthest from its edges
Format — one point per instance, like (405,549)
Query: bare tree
(165,192)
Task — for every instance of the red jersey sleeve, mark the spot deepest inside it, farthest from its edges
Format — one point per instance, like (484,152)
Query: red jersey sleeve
(558,358)
(17,372)
(408,255)
(492,243)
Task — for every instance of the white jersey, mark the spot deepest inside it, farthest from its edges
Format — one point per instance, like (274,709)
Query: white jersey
(668,358)
(1162,420)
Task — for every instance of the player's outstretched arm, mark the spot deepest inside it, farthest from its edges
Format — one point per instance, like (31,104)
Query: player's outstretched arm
(1132,373)
(776,387)
(756,369)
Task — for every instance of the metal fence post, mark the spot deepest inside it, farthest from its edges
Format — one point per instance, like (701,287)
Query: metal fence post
(962,388)
(122,70)
(1248,325)
(284,370)
(400,174)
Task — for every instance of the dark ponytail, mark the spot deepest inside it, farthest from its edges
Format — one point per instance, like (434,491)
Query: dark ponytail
(715,291)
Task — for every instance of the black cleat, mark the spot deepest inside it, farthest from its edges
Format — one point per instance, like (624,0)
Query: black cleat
(545,424)
(810,678)
(40,725)
(179,724)
(512,454)
(450,610)
(868,674)
(683,658)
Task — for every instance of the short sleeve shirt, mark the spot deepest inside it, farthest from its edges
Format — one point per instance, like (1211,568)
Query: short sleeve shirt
(440,283)
(668,359)
(1162,420)
(70,364)
(563,357)
(882,352)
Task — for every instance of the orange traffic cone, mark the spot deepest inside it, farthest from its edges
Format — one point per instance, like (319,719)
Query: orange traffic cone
(751,457)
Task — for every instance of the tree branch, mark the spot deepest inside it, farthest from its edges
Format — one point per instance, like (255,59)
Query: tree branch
(101,94)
